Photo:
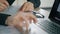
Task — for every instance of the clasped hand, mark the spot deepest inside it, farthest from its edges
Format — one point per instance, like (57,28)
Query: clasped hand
(21,16)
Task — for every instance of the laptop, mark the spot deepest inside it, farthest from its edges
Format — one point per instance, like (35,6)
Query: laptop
(52,24)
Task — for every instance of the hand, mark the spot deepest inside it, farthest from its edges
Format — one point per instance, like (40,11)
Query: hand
(18,20)
(3,5)
(28,6)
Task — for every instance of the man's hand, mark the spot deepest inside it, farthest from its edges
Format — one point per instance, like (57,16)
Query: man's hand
(21,17)
(3,5)
(28,6)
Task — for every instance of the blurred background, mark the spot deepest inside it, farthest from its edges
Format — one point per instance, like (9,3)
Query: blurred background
(45,4)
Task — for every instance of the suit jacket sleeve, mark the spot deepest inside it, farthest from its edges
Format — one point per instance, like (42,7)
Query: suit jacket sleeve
(3,18)
(10,1)
(35,2)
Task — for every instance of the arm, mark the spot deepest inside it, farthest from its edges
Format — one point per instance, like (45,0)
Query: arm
(3,18)
(35,2)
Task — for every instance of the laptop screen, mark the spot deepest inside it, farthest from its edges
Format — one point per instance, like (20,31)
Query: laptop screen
(55,12)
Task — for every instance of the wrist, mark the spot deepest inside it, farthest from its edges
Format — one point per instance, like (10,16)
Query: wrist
(9,20)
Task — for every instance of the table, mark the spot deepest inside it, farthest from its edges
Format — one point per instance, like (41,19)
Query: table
(34,29)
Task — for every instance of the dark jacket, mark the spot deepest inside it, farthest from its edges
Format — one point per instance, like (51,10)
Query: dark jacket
(3,17)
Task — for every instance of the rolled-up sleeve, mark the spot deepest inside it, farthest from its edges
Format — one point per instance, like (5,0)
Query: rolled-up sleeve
(3,18)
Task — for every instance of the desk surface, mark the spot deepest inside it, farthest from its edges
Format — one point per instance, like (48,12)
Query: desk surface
(34,29)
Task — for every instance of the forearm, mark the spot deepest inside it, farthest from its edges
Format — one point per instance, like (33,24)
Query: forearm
(3,18)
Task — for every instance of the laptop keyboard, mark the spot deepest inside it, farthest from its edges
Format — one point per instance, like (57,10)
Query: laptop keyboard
(49,27)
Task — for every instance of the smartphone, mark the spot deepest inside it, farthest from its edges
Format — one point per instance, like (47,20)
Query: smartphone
(10,2)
